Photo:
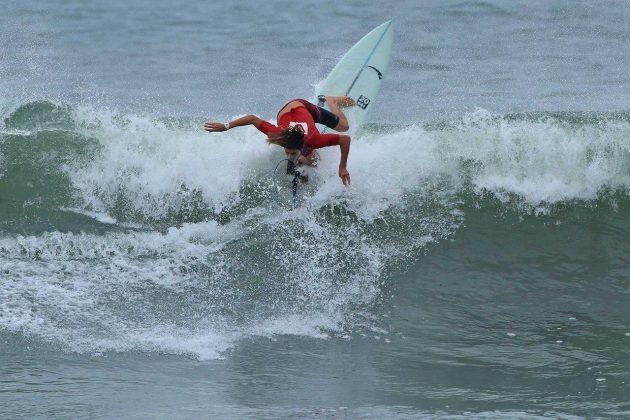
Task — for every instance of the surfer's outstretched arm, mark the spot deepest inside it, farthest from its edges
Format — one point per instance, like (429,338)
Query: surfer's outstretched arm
(217,127)
(344,145)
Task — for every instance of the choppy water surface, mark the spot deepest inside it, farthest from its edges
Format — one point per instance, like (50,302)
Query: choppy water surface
(477,267)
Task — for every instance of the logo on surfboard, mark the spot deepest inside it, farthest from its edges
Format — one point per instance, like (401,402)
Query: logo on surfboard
(363,102)
(380,75)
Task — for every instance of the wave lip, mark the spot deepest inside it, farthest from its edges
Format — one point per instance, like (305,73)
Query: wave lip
(539,159)
(141,170)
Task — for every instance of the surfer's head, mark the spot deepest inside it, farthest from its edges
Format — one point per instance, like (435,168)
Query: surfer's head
(289,138)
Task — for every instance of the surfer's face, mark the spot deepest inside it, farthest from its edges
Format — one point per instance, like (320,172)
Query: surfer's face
(292,154)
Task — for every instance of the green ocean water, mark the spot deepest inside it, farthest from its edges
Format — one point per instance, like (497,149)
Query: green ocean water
(477,267)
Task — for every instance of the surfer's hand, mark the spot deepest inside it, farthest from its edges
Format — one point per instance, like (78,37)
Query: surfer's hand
(344,175)
(214,127)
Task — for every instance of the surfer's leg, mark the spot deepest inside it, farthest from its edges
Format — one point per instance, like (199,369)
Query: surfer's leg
(335,103)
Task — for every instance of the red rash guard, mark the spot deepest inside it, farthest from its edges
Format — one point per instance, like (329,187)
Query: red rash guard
(300,115)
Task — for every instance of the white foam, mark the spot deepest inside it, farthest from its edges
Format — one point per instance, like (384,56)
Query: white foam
(94,292)
(100,217)
(148,160)
(97,293)
(542,161)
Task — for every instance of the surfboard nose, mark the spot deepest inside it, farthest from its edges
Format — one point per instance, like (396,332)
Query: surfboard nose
(360,72)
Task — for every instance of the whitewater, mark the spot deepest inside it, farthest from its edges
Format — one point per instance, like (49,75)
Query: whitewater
(137,234)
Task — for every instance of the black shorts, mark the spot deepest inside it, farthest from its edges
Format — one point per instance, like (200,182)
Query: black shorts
(319,114)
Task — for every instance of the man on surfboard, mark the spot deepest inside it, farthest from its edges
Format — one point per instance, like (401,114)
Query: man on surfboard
(296,131)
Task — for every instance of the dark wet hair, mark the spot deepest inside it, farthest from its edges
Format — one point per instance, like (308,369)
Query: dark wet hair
(289,138)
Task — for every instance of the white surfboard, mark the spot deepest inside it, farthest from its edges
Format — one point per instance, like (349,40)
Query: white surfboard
(360,72)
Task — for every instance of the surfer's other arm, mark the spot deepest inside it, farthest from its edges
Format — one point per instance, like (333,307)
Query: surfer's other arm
(217,127)
(344,145)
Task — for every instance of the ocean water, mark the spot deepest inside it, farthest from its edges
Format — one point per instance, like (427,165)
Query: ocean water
(478,266)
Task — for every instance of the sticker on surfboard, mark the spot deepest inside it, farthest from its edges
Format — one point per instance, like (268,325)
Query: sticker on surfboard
(363,102)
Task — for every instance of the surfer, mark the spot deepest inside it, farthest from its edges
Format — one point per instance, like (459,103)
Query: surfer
(296,131)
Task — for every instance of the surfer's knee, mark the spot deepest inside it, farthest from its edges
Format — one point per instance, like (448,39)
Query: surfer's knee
(342,126)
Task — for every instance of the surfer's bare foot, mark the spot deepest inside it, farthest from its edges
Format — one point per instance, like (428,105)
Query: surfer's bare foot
(344,101)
